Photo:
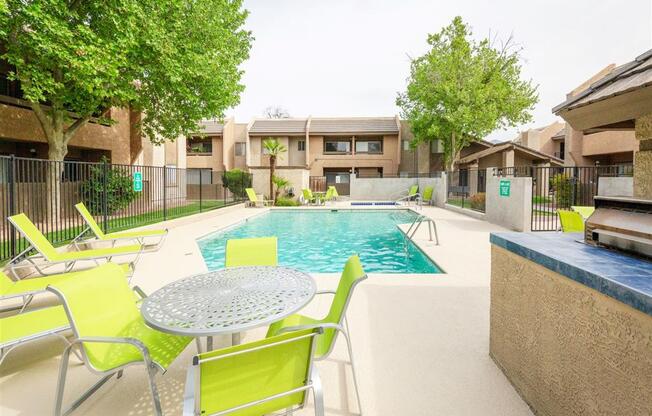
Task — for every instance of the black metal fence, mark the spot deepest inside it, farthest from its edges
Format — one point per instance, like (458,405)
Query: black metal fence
(118,196)
(466,188)
(555,188)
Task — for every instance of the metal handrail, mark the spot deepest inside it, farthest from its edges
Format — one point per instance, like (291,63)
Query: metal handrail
(420,219)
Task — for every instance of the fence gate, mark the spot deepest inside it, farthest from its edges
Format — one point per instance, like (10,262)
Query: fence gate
(560,188)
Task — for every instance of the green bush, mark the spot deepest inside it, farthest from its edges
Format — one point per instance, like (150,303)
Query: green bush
(287,202)
(563,186)
(236,181)
(478,201)
(119,189)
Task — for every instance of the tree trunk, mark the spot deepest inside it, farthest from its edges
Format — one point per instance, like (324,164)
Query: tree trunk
(272,168)
(453,154)
(57,151)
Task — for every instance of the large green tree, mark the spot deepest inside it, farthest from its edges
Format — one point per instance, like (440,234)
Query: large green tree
(176,61)
(462,89)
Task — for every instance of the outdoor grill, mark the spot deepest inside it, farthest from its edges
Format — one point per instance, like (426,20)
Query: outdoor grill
(621,223)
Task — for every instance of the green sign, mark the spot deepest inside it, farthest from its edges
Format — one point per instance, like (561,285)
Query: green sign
(504,187)
(138,181)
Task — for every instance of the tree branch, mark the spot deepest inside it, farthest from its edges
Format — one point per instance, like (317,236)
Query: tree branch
(70,131)
(46,122)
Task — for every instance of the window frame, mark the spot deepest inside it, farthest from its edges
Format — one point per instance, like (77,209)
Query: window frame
(301,145)
(369,140)
(201,140)
(349,141)
(240,145)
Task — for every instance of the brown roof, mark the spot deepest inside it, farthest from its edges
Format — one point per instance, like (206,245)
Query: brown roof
(211,127)
(625,78)
(499,147)
(353,125)
(560,134)
(291,126)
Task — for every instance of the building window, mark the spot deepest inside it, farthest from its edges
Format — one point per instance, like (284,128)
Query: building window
(301,145)
(199,145)
(240,149)
(337,146)
(406,145)
(434,147)
(369,146)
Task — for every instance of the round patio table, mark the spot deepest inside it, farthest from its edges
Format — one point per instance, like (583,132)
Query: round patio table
(228,301)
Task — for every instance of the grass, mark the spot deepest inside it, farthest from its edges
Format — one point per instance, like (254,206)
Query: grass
(462,203)
(65,235)
(539,199)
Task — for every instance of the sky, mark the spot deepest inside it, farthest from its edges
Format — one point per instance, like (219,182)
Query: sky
(350,58)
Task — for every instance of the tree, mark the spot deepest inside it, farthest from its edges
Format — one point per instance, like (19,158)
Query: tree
(461,90)
(276,111)
(177,62)
(280,183)
(274,150)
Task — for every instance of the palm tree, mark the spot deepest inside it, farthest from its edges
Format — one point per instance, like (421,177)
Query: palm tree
(280,183)
(274,150)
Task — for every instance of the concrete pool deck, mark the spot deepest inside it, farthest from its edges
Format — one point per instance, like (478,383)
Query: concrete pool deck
(421,342)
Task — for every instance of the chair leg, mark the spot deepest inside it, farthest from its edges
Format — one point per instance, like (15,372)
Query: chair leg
(151,372)
(355,378)
(318,393)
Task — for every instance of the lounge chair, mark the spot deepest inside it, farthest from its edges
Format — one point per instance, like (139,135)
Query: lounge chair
(331,194)
(107,325)
(412,195)
(30,325)
(48,255)
(427,195)
(258,378)
(584,211)
(334,322)
(309,198)
(137,236)
(254,201)
(571,221)
(260,251)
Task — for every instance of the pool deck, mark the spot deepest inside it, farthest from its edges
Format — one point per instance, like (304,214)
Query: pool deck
(421,341)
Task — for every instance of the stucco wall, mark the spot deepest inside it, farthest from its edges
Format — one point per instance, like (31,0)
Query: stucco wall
(616,186)
(513,211)
(298,179)
(391,189)
(388,160)
(214,161)
(566,348)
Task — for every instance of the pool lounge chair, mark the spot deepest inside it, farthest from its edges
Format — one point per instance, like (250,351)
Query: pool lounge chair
(257,378)
(571,221)
(48,256)
(331,194)
(427,195)
(309,198)
(108,326)
(29,325)
(584,211)
(412,195)
(261,251)
(254,201)
(137,236)
(334,322)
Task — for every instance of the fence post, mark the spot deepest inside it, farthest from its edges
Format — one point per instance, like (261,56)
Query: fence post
(11,182)
(165,196)
(200,186)
(105,201)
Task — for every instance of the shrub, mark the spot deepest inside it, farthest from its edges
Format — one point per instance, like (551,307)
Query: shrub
(287,202)
(563,186)
(236,181)
(478,201)
(119,190)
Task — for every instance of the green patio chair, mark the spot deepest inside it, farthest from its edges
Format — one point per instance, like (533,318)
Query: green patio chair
(309,198)
(258,378)
(427,195)
(137,236)
(571,221)
(29,325)
(412,195)
(48,256)
(111,332)
(335,321)
(331,194)
(584,211)
(253,199)
(261,251)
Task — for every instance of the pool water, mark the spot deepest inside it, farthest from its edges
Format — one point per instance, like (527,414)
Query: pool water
(320,241)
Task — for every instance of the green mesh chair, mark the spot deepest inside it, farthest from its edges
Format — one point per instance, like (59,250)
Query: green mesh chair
(107,325)
(155,237)
(427,195)
(31,324)
(48,256)
(261,251)
(412,195)
(309,198)
(571,221)
(335,321)
(331,194)
(253,199)
(258,378)
(584,211)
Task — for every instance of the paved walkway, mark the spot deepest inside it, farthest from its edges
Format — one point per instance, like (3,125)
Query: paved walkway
(421,341)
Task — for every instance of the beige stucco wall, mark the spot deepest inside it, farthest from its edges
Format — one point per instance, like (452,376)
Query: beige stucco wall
(20,124)
(298,179)
(214,161)
(566,348)
(609,142)
(240,133)
(388,160)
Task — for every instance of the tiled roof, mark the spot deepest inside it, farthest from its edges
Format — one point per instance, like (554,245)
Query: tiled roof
(354,125)
(278,126)
(628,77)
(499,147)
(211,127)
(560,134)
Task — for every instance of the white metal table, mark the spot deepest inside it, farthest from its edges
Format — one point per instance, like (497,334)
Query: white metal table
(228,301)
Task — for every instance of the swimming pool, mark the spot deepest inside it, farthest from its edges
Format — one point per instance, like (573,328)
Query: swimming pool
(320,241)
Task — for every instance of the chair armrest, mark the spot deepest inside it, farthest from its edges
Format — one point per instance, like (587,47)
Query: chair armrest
(336,327)
(140,292)
(117,340)
(325,292)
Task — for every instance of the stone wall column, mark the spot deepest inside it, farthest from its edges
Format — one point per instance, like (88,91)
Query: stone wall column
(643,158)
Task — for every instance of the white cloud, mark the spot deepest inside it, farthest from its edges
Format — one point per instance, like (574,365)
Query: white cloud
(350,58)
